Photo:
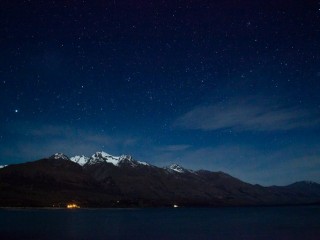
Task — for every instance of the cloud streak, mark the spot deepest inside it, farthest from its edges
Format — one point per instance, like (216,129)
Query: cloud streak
(246,115)
(174,148)
(257,166)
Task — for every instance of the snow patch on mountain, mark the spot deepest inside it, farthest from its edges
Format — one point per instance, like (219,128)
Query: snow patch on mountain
(81,160)
(143,163)
(177,168)
(59,156)
(103,157)
(3,166)
(100,157)
(127,159)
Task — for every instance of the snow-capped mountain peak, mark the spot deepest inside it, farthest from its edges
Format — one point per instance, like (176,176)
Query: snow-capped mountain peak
(100,157)
(103,157)
(176,168)
(81,160)
(127,159)
(59,156)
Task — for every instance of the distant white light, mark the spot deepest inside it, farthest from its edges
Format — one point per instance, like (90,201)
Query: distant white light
(16,110)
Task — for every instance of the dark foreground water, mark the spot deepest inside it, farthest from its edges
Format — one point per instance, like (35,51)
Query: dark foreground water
(193,223)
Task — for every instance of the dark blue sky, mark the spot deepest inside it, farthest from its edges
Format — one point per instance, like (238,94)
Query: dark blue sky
(227,86)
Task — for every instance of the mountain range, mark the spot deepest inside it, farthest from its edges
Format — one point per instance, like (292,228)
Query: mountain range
(103,180)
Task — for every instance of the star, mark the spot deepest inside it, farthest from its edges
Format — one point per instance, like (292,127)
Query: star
(155,75)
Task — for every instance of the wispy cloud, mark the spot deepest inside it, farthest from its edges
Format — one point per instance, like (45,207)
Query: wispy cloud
(266,167)
(218,158)
(248,114)
(173,148)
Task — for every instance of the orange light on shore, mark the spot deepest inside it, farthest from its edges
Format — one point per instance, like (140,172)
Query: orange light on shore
(72,205)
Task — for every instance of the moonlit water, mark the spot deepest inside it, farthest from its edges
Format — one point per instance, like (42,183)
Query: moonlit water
(193,223)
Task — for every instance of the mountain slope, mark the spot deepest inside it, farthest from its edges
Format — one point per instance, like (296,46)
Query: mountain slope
(103,180)
(52,181)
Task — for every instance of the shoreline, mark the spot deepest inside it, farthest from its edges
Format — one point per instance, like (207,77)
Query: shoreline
(164,207)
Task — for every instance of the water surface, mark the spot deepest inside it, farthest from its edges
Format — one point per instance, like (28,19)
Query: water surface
(163,223)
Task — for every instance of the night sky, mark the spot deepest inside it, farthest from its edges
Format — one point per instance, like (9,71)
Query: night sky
(227,86)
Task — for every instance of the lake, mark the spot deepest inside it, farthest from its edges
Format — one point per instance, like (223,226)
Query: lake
(301,222)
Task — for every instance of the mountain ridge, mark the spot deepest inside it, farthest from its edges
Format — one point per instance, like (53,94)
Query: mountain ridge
(103,180)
